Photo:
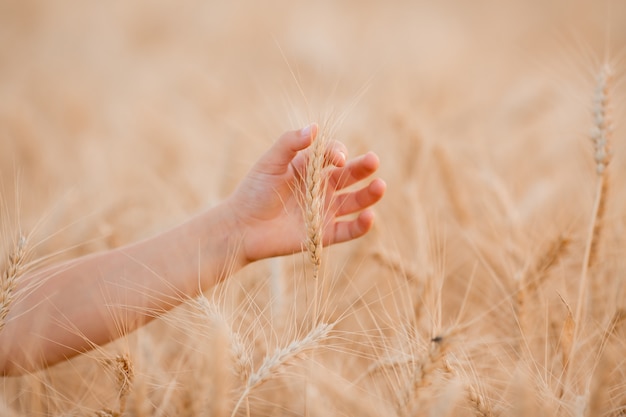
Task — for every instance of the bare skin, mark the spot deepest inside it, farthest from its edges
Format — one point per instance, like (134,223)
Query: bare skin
(74,306)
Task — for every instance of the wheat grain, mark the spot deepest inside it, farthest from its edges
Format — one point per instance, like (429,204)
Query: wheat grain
(13,269)
(602,129)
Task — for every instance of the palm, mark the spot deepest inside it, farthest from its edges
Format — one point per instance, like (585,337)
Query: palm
(268,204)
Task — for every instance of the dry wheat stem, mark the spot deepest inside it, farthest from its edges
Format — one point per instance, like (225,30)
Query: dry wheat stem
(567,340)
(600,136)
(272,363)
(13,269)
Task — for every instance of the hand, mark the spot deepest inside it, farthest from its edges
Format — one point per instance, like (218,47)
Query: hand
(267,206)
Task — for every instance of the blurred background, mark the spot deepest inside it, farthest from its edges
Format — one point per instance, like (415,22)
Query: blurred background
(120,118)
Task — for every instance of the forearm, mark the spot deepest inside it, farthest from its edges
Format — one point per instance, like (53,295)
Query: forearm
(67,308)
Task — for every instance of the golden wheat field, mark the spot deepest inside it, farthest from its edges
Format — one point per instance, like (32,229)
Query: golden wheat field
(492,283)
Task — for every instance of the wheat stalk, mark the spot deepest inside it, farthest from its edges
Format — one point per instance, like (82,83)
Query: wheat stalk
(272,363)
(600,137)
(14,268)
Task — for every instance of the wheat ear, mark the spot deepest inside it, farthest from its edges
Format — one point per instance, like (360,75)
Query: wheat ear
(125,373)
(314,189)
(479,401)
(424,370)
(474,392)
(536,275)
(600,137)
(272,363)
(14,268)
(239,352)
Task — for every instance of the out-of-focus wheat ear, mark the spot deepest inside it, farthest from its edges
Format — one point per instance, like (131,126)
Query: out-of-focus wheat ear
(448,400)
(242,361)
(125,374)
(14,267)
(424,371)
(456,194)
(397,265)
(239,352)
(314,196)
(417,285)
(474,392)
(535,276)
(433,362)
(273,363)
(600,138)
(478,400)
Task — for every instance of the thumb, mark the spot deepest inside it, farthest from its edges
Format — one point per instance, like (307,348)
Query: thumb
(276,160)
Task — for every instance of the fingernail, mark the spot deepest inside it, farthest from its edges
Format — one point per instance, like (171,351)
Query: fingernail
(343,157)
(306,131)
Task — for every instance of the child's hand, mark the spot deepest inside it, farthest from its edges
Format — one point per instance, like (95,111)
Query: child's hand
(267,203)
(75,305)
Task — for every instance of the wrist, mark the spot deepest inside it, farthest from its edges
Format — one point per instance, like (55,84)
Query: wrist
(223,243)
